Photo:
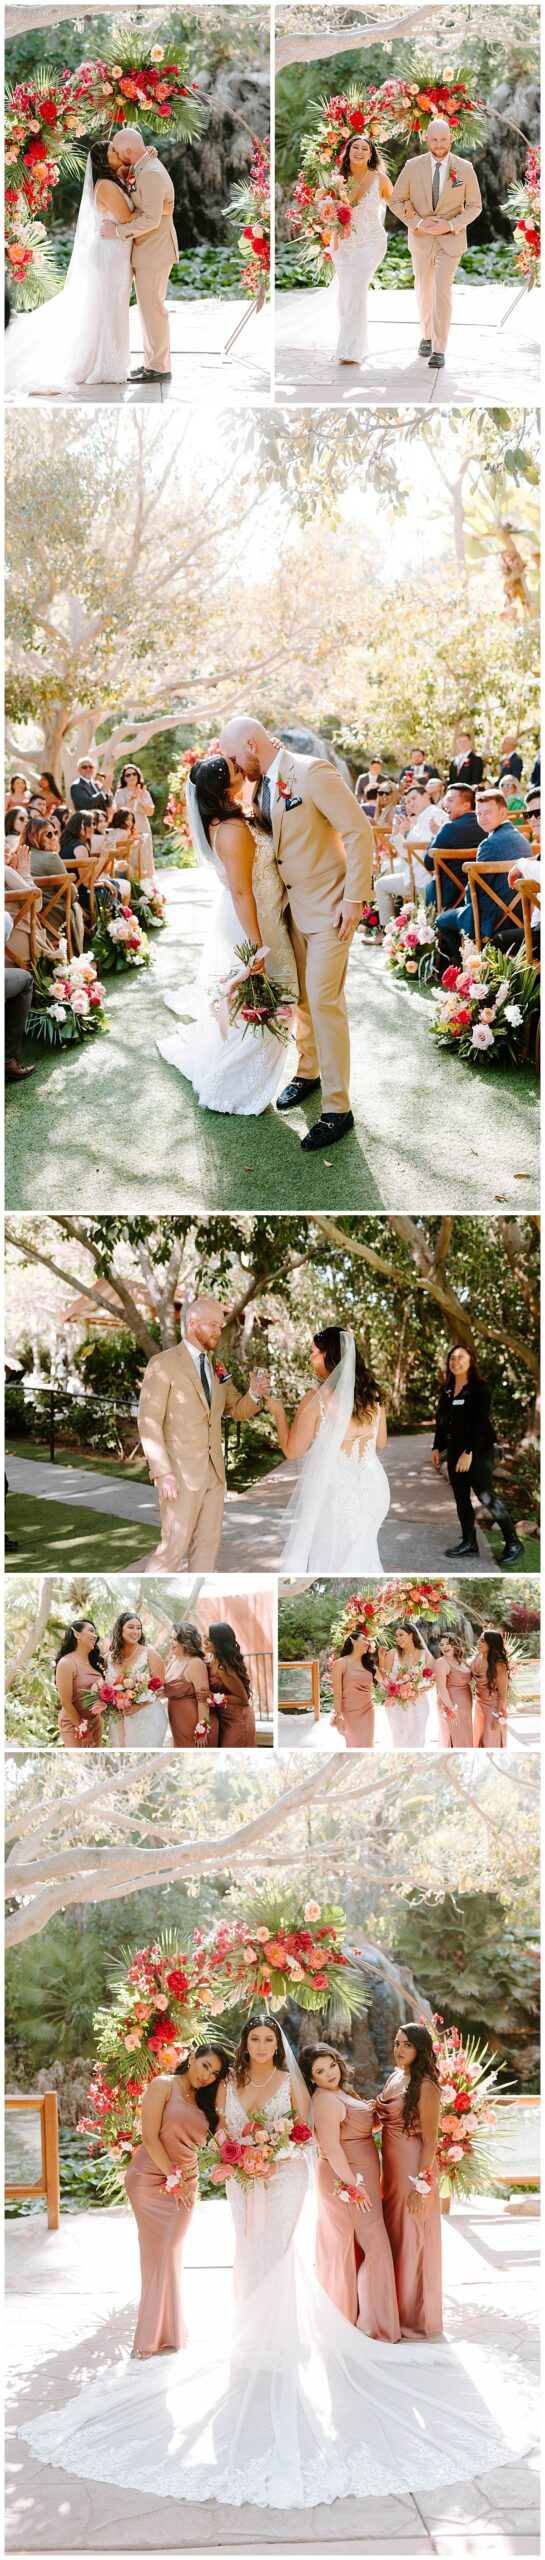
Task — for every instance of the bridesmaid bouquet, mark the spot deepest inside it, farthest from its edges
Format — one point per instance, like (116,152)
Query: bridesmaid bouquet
(250,996)
(254,2154)
(467,2083)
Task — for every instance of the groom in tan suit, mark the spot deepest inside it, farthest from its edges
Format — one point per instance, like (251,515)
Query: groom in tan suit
(154,245)
(436,195)
(324,850)
(180,1413)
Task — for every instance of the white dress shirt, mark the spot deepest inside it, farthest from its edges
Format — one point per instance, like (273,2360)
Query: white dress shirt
(197,1356)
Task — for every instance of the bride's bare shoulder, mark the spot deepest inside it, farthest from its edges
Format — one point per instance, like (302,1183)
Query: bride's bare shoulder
(233,835)
(111,199)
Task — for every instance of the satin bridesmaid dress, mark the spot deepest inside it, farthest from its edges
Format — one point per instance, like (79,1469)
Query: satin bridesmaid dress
(490,1725)
(71,1735)
(162,2225)
(236,1714)
(458,1736)
(184,1709)
(358,1705)
(415,2240)
(345,2235)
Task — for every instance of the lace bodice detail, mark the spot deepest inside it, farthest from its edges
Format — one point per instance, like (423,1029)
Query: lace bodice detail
(362,1446)
(236,2112)
(269,898)
(369,210)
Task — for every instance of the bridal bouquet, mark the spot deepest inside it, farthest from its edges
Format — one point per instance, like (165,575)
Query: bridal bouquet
(252,997)
(254,2153)
(407,1686)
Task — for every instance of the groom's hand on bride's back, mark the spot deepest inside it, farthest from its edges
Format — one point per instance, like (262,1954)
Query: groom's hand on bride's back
(348,918)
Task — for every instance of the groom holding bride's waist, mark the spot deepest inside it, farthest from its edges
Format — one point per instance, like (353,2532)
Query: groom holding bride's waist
(154,244)
(324,851)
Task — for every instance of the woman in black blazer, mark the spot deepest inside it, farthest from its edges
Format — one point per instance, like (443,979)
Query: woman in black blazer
(465,1436)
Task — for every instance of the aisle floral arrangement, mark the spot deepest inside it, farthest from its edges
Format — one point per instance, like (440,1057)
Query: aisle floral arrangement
(68,1002)
(525,203)
(168,1996)
(409,946)
(120,942)
(176,819)
(251,207)
(485,1007)
(148,905)
(396,112)
(52,119)
(468,2082)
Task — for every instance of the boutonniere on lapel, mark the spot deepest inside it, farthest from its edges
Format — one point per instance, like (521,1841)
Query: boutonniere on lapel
(455,179)
(291,799)
(220,1373)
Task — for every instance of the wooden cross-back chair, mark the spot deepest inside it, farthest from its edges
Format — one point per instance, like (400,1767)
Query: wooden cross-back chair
(530,894)
(87,869)
(24,906)
(452,867)
(485,875)
(55,892)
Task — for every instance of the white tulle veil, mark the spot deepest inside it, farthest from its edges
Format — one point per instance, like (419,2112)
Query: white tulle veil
(307,1502)
(48,349)
(304,2100)
(199,839)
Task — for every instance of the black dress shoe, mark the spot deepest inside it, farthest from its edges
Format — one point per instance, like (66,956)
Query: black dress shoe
(467,1547)
(509,1555)
(327,1131)
(297,1092)
(144,374)
(436,359)
(425,347)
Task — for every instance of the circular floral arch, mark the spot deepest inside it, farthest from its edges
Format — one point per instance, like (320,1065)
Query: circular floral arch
(400,111)
(50,120)
(168,1997)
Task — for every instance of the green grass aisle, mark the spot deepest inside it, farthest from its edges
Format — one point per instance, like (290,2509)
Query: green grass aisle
(114,1128)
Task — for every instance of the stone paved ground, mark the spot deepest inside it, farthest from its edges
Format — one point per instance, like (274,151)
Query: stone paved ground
(485,361)
(201,370)
(65,2325)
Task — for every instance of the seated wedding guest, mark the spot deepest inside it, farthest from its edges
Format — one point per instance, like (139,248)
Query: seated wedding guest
(514,797)
(49,791)
(423,824)
(16,833)
(78,841)
(500,843)
(37,809)
(461,834)
(18,993)
(510,757)
(465,765)
(21,952)
(132,793)
(19,794)
(45,859)
(90,790)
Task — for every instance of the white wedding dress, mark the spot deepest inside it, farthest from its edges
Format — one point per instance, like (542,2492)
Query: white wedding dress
(243,1071)
(355,260)
(147,1729)
(416,1726)
(293,2407)
(82,334)
(340,1533)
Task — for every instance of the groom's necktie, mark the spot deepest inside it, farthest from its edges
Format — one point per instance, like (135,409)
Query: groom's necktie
(265,804)
(205,1378)
(435,184)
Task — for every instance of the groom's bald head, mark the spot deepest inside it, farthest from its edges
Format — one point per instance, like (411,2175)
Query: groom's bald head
(248,745)
(125,147)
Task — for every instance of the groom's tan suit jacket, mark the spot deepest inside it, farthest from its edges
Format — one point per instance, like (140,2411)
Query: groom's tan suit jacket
(181,1436)
(154,250)
(436,256)
(324,849)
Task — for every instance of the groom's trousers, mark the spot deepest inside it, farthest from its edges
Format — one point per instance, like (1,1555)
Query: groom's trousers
(190,1530)
(321,1021)
(434,263)
(152,259)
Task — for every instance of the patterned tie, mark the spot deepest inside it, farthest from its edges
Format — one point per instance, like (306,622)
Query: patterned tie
(435,186)
(205,1378)
(265,804)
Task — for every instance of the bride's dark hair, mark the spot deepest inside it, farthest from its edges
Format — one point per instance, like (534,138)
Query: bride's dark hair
(369,1658)
(367,1392)
(100,167)
(406,1627)
(374,161)
(211,781)
(241,2059)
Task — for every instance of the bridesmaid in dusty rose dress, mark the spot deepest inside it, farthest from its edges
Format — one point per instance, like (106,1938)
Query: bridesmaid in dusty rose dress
(354,1676)
(229,1677)
(79,1668)
(178,2115)
(187,1688)
(456,1726)
(409,2110)
(353,2254)
(490,1670)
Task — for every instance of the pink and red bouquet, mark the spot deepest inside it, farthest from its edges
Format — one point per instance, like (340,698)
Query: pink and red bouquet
(409,944)
(412,1597)
(68,1001)
(407,1686)
(49,121)
(251,2157)
(483,1009)
(321,203)
(250,996)
(468,2082)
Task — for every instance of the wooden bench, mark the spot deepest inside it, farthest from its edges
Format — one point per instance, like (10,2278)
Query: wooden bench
(294,1704)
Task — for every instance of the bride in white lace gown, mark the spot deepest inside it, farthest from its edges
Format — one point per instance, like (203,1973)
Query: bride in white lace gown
(287,2406)
(359,251)
(146,1727)
(342,1493)
(231,1068)
(82,335)
(410,1721)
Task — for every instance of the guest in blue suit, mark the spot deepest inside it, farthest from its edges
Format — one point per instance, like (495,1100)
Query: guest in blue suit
(461,836)
(500,842)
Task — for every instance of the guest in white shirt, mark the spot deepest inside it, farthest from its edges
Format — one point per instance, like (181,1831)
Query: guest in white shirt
(417,829)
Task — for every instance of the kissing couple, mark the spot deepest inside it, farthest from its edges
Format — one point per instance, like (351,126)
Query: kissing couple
(291,853)
(125,230)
